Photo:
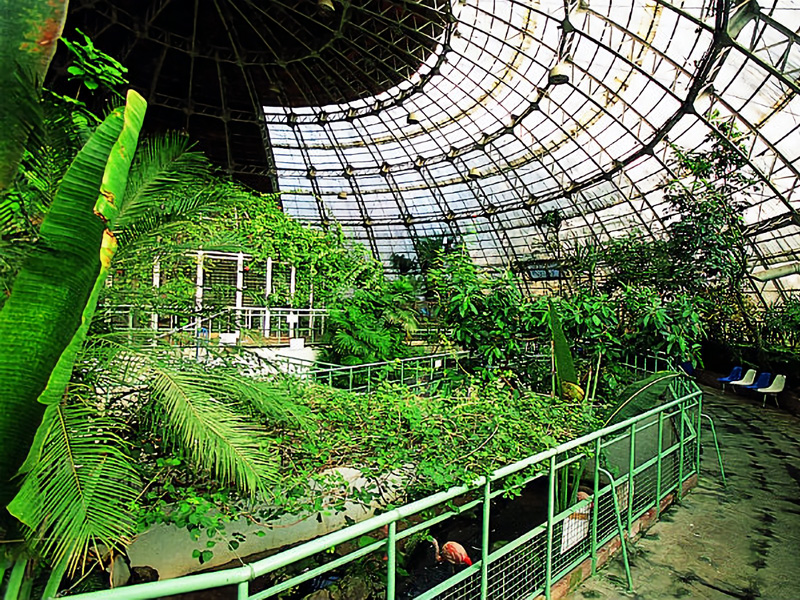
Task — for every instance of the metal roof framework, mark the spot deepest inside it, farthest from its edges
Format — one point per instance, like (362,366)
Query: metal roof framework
(481,141)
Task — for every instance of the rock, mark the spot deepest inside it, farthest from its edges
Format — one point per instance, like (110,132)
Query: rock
(143,575)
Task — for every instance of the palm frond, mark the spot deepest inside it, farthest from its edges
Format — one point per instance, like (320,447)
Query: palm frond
(211,432)
(186,204)
(48,156)
(20,110)
(265,397)
(201,410)
(164,170)
(79,494)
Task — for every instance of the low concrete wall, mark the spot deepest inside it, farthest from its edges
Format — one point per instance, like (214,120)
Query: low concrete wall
(168,549)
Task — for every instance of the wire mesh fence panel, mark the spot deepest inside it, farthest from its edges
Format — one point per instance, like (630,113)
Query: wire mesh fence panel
(468,589)
(520,572)
(572,540)
(644,494)
(606,514)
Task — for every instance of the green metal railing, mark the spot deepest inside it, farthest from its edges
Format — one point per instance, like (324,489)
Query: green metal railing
(630,467)
(412,372)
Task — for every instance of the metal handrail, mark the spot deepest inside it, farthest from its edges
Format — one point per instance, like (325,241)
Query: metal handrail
(687,406)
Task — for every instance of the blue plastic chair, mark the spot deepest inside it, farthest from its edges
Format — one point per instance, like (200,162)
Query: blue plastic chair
(761,381)
(736,375)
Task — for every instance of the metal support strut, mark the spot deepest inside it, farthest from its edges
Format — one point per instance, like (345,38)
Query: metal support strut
(716,447)
(620,528)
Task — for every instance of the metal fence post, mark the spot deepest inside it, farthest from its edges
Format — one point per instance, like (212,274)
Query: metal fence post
(551,498)
(698,427)
(391,561)
(631,468)
(487,498)
(658,462)
(679,492)
(243,591)
(595,502)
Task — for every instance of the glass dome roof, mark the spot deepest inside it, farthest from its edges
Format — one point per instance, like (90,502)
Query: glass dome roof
(406,119)
(524,107)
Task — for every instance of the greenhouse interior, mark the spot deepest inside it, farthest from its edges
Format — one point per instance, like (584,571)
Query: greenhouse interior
(366,299)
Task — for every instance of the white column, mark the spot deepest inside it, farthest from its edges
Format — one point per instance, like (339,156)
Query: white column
(268,289)
(267,292)
(239,300)
(198,290)
(292,286)
(240,280)
(311,311)
(156,285)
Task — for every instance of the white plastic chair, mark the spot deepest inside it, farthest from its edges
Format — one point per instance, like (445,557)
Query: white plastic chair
(775,388)
(748,378)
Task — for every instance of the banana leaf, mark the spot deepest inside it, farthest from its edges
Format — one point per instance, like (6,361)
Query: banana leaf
(44,321)
(29,31)
(565,366)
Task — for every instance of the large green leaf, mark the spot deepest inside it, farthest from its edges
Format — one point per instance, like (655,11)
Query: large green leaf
(50,300)
(641,396)
(29,30)
(565,366)
(78,494)
(115,177)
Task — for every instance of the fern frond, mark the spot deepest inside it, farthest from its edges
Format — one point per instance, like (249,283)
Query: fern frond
(164,168)
(211,432)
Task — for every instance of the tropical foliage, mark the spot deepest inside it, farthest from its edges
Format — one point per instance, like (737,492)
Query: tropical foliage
(373,323)
(485,311)
(80,192)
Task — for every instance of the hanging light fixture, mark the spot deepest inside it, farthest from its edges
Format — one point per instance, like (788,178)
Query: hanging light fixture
(559,74)
(325,7)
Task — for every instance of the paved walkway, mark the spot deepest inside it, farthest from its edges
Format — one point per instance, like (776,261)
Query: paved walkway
(742,541)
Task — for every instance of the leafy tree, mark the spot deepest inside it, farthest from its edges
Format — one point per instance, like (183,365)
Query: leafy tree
(94,68)
(706,241)
(79,193)
(631,260)
(484,310)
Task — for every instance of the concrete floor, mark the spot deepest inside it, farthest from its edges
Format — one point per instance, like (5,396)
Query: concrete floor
(742,541)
